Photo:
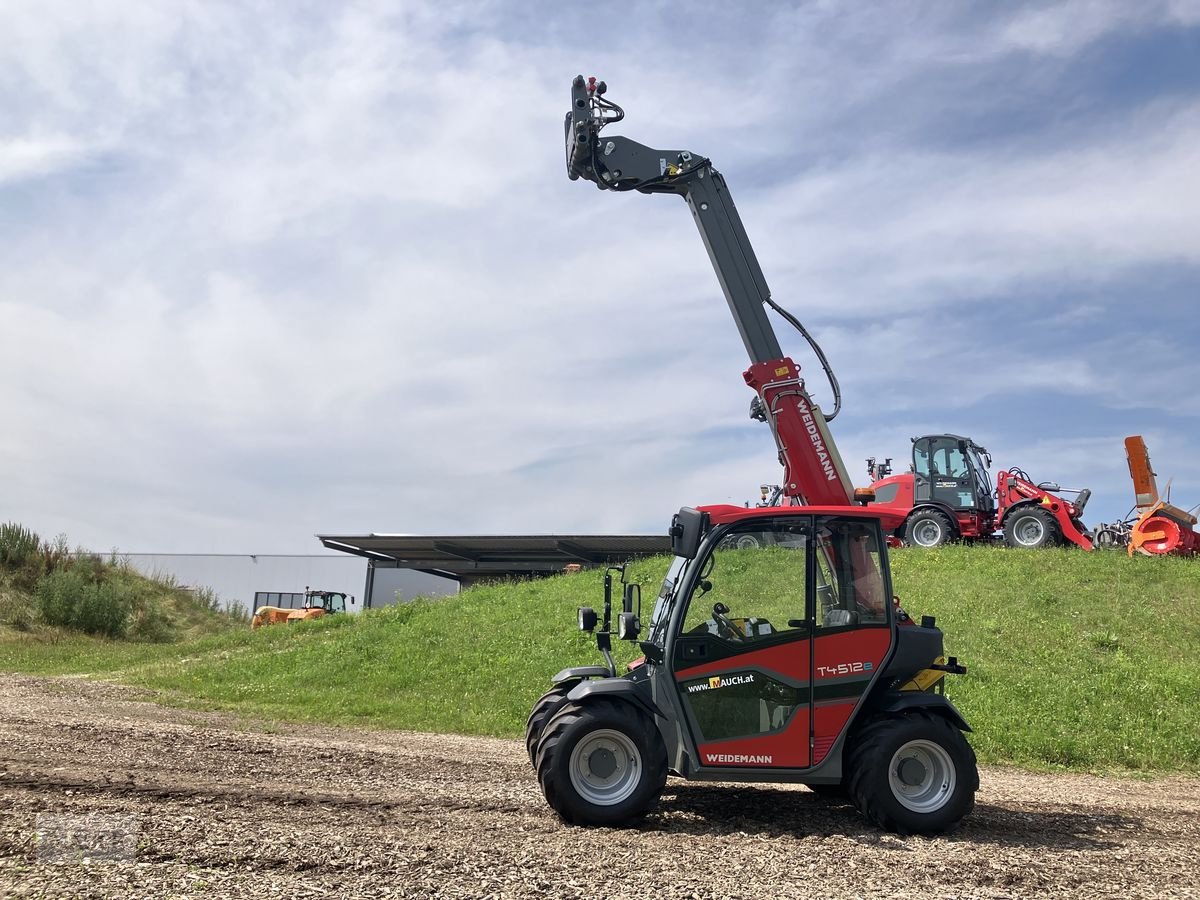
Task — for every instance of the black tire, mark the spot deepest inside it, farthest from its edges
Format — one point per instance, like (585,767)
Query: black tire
(928,528)
(913,774)
(1031,527)
(543,711)
(741,542)
(601,762)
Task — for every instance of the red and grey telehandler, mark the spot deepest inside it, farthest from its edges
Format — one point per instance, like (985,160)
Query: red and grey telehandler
(782,659)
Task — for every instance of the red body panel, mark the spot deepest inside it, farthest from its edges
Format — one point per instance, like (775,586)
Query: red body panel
(843,667)
(811,467)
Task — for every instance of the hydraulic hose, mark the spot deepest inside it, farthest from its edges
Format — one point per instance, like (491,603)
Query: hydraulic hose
(816,348)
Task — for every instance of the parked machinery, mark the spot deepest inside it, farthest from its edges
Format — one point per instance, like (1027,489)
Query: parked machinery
(946,495)
(1160,527)
(782,658)
(317,604)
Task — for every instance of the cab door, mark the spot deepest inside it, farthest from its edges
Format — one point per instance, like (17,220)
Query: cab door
(852,627)
(742,657)
(943,473)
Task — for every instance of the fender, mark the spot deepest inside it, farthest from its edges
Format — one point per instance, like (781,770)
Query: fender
(1066,526)
(580,672)
(618,689)
(932,504)
(936,704)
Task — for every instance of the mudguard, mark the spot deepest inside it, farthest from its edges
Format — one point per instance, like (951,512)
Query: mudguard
(933,703)
(580,672)
(618,689)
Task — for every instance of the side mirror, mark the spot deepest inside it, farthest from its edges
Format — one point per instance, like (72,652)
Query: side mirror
(687,530)
(632,599)
(628,626)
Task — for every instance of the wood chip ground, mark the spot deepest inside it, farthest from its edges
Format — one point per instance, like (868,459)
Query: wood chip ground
(209,805)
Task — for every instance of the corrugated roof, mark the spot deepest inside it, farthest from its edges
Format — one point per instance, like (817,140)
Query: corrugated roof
(497,555)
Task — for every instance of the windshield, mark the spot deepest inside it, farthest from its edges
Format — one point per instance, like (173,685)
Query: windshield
(663,603)
(981,460)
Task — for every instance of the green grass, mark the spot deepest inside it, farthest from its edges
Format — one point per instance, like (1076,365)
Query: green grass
(1077,661)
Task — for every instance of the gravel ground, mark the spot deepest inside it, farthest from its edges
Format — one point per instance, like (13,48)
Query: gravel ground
(175,803)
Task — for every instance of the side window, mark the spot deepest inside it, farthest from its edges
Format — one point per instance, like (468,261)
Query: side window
(850,585)
(887,493)
(921,459)
(956,463)
(947,458)
(756,577)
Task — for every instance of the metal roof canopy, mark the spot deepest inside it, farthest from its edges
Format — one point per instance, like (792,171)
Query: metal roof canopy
(471,557)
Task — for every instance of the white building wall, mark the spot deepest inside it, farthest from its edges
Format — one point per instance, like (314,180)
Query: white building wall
(236,578)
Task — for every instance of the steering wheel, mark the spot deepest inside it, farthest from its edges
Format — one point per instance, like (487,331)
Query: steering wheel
(725,627)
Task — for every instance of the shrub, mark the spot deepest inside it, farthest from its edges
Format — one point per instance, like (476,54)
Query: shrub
(19,547)
(16,611)
(69,598)
(151,622)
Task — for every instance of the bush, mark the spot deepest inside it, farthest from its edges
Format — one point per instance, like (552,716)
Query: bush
(151,622)
(16,611)
(68,598)
(19,547)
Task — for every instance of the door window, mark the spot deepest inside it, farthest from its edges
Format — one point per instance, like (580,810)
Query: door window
(851,590)
(749,606)
(755,584)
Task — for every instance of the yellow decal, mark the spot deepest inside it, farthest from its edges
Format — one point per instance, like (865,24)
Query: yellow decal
(714,683)
(781,371)
(926,678)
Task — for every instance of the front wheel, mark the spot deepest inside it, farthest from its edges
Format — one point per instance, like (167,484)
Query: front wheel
(545,708)
(928,528)
(913,774)
(601,762)
(1031,527)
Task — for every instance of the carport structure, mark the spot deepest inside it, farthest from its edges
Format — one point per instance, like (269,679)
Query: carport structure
(471,558)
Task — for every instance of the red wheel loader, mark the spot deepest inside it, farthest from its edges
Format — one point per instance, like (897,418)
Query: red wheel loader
(946,496)
(774,651)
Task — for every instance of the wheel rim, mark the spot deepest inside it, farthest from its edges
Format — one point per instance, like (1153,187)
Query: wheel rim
(605,767)
(1029,531)
(928,533)
(922,776)
(746,542)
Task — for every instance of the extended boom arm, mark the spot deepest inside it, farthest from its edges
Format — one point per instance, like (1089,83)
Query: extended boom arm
(813,470)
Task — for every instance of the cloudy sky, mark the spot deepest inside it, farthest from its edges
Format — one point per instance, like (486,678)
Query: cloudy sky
(271,269)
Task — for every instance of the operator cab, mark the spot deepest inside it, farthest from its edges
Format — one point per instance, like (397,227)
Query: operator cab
(777,626)
(953,470)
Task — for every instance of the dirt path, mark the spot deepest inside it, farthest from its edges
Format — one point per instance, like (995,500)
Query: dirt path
(202,805)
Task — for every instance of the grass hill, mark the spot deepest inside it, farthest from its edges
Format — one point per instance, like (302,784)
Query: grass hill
(49,593)
(1076,660)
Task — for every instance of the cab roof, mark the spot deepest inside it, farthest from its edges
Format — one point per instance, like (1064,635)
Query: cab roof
(724,513)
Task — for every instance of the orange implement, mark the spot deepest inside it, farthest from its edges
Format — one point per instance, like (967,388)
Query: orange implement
(1161,528)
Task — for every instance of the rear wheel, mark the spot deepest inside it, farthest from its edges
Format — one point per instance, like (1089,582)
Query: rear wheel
(601,763)
(548,704)
(913,774)
(1031,527)
(928,528)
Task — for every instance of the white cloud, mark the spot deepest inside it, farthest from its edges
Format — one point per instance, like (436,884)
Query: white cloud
(280,273)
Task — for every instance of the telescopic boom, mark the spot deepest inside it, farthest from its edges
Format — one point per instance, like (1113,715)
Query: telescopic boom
(813,469)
